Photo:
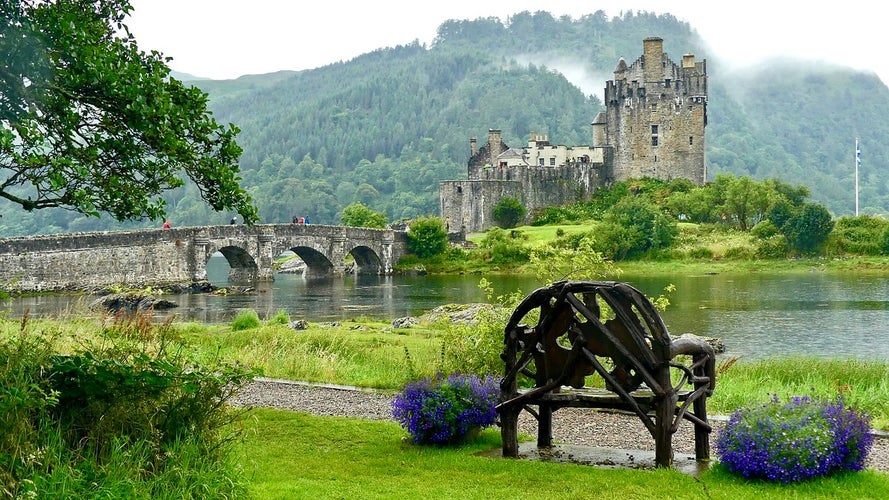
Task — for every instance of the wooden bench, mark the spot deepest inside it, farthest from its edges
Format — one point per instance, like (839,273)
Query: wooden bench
(607,328)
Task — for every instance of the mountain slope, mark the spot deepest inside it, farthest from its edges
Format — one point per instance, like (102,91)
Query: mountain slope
(387,126)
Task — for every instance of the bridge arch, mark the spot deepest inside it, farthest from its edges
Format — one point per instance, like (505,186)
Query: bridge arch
(243,268)
(367,260)
(317,264)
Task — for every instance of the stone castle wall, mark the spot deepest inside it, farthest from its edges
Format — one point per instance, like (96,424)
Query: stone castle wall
(468,205)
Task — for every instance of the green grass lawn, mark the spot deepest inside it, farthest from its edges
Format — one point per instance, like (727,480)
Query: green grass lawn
(291,455)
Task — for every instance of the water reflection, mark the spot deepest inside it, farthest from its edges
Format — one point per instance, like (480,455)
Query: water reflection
(755,315)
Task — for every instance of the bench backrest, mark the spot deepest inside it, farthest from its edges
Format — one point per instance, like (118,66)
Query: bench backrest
(583,320)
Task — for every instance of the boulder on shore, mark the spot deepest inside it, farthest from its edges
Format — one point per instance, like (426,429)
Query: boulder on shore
(131,302)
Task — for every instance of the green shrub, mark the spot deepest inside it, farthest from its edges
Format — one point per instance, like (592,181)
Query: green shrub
(563,214)
(775,247)
(805,227)
(245,320)
(764,229)
(280,318)
(739,253)
(426,236)
(633,227)
(475,347)
(505,247)
(701,253)
(861,235)
(509,212)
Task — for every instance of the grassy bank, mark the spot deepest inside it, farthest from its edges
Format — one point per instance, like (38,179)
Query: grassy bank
(697,249)
(373,354)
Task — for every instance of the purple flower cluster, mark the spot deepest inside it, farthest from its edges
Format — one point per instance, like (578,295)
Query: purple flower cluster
(797,440)
(443,410)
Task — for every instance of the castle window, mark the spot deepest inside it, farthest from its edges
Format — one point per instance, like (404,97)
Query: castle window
(667,82)
(654,135)
(542,160)
(552,161)
(654,140)
(459,189)
(691,140)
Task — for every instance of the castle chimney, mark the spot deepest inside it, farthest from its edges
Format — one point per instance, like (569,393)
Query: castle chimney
(599,129)
(473,147)
(653,52)
(494,141)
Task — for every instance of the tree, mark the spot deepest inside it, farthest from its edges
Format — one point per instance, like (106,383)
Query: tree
(427,237)
(632,227)
(808,228)
(359,215)
(509,212)
(746,200)
(90,123)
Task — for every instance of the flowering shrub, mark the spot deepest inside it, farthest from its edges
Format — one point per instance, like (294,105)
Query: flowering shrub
(794,441)
(443,411)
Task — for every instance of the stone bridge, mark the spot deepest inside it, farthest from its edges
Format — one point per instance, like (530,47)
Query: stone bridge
(178,256)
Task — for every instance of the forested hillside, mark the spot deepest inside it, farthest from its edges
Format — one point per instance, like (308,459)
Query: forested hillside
(386,127)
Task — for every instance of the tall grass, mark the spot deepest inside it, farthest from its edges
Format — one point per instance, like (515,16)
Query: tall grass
(116,410)
(365,354)
(862,384)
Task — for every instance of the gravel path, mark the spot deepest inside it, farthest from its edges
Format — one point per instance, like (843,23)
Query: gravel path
(573,426)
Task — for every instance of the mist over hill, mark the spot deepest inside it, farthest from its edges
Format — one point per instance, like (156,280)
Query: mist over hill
(387,126)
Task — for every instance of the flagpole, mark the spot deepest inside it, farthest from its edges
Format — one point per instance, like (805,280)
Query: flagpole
(857,163)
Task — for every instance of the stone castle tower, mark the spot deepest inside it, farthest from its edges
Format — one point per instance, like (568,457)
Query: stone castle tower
(656,112)
(652,126)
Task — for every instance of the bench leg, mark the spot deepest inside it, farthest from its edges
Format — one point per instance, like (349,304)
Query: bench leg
(545,427)
(663,439)
(702,435)
(509,431)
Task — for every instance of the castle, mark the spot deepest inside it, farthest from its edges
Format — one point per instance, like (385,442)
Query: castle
(652,126)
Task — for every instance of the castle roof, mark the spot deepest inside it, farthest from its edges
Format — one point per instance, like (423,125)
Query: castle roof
(601,118)
(621,66)
(512,154)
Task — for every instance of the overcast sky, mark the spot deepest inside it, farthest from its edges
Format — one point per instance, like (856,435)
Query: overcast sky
(223,39)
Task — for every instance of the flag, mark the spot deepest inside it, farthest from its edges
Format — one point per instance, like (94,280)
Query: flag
(857,154)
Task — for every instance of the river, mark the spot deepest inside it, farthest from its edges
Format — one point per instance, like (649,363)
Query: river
(756,315)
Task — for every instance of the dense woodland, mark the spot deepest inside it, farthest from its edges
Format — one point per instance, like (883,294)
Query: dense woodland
(384,128)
